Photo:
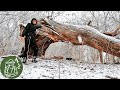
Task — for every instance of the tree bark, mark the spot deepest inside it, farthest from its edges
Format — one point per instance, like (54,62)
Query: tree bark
(89,36)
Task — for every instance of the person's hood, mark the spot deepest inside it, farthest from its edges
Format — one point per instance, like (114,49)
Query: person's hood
(32,20)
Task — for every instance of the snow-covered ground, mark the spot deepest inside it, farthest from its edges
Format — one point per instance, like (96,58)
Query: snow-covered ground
(65,69)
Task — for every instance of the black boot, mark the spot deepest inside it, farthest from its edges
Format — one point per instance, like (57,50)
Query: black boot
(24,59)
(22,55)
(34,59)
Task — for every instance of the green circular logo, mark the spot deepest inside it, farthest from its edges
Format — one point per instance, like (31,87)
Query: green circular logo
(11,67)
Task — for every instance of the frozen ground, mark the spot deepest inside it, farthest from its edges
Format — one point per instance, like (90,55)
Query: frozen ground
(64,69)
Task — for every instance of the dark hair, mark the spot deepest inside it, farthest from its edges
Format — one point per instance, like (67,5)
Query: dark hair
(32,20)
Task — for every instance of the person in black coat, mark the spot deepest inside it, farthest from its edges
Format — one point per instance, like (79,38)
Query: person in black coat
(30,40)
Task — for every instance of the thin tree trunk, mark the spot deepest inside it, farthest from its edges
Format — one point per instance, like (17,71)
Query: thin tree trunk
(101,57)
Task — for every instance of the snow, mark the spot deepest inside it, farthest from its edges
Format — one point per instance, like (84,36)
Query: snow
(69,69)
(79,39)
(94,32)
(97,33)
(117,36)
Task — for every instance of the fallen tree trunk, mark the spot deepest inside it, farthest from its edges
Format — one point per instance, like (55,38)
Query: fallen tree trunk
(78,34)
